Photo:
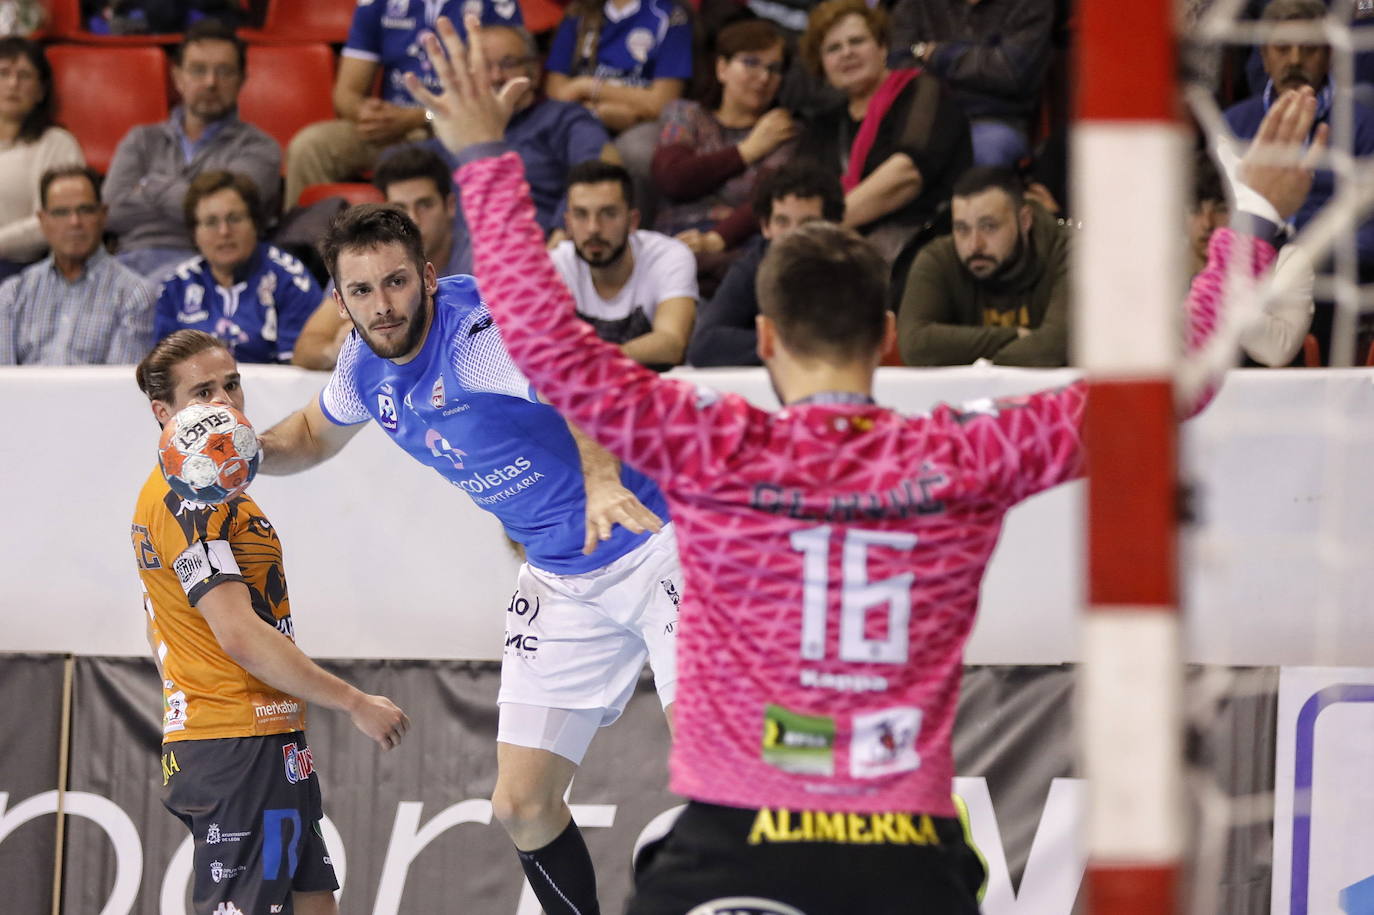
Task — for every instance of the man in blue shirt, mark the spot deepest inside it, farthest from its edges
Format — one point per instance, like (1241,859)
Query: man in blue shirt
(598,592)
(550,136)
(385,37)
(1291,65)
(415,178)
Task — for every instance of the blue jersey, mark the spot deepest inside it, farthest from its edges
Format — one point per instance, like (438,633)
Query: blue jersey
(462,407)
(388,32)
(648,40)
(259,317)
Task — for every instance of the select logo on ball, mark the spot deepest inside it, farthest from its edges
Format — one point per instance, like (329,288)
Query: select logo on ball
(209,453)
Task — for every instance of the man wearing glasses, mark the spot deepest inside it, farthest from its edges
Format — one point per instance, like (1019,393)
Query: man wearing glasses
(155,163)
(78,305)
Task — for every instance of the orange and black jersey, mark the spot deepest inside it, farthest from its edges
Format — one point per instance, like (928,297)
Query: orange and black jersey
(185,549)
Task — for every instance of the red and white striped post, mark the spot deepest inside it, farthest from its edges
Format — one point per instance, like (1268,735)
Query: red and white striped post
(1130,153)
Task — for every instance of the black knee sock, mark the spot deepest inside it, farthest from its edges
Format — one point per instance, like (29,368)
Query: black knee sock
(561,874)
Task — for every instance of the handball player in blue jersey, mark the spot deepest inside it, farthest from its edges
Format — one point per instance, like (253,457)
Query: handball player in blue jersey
(600,580)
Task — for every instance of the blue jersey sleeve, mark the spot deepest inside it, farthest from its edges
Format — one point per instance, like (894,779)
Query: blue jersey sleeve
(674,57)
(340,401)
(164,314)
(298,297)
(561,51)
(365,34)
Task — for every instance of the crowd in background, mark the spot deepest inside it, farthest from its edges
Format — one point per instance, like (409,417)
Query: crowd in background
(666,145)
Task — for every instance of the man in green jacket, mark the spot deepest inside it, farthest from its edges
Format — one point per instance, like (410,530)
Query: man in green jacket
(997,288)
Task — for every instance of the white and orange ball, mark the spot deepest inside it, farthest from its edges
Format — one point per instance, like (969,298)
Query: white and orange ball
(209,453)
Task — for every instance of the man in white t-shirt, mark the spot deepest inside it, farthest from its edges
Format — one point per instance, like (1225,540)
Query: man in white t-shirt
(636,288)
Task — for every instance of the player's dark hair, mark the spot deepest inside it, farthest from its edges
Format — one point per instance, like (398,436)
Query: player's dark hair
(595,171)
(802,178)
(413,161)
(1206,180)
(44,112)
(67,171)
(212,30)
(371,225)
(154,373)
(826,290)
(986,177)
(212,182)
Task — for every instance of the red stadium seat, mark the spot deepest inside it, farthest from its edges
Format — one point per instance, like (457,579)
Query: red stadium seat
(103,91)
(541,15)
(293,21)
(288,86)
(352,191)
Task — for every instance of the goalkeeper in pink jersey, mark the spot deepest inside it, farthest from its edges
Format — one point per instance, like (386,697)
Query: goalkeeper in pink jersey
(832,550)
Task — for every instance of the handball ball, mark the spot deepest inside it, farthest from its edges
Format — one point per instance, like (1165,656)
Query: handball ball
(209,453)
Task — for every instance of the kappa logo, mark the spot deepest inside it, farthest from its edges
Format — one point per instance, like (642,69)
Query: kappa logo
(227,908)
(300,763)
(481,325)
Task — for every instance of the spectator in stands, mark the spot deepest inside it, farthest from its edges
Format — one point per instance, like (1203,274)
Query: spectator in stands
(384,38)
(1275,337)
(78,305)
(898,141)
(625,60)
(156,163)
(798,193)
(997,288)
(252,295)
(1289,65)
(550,136)
(636,288)
(30,145)
(416,179)
(709,158)
(992,55)
(1210,210)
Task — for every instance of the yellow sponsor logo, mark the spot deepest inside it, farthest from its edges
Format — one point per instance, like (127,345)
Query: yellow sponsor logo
(169,766)
(849,828)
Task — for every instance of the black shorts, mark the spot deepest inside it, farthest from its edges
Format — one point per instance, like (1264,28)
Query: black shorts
(253,807)
(718,860)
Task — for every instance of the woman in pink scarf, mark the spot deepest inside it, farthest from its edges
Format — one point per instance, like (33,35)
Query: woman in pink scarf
(898,140)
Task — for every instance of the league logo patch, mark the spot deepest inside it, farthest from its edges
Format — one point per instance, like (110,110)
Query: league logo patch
(797,743)
(671,590)
(300,764)
(386,412)
(437,397)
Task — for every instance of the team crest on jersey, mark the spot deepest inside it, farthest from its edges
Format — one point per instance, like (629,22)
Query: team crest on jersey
(395,9)
(437,397)
(639,43)
(192,306)
(386,412)
(299,763)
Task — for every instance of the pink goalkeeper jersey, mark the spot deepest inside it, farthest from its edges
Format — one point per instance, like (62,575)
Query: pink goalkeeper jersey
(832,553)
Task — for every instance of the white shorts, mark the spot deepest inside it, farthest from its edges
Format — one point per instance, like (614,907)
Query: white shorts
(580,641)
